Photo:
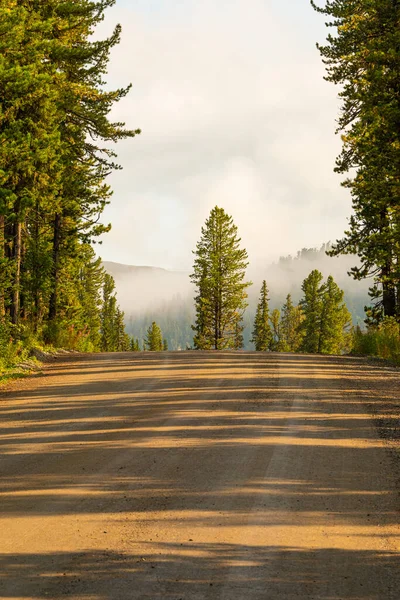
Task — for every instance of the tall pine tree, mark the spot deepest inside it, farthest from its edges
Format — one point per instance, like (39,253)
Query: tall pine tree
(362,56)
(219,273)
(326,317)
(311,305)
(154,339)
(335,319)
(276,345)
(290,327)
(262,334)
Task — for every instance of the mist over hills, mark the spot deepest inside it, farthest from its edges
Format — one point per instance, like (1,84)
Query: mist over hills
(147,288)
(149,294)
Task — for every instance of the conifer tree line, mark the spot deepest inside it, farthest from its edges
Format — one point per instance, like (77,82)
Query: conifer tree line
(153,341)
(362,55)
(319,324)
(55,156)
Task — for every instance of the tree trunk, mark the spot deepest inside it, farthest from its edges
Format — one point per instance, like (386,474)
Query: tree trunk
(15,307)
(36,294)
(389,292)
(2,256)
(55,270)
(22,294)
(216,328)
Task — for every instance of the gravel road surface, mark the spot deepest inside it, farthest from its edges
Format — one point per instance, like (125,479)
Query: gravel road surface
(201,476)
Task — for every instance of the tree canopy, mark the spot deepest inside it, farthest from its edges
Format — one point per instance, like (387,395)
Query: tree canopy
(325,316)
(154,339)
(55,157)
(219,271)
(262,334)
(362,56)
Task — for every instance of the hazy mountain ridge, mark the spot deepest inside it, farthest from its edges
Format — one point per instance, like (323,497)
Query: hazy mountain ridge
(152,293)
(121,270)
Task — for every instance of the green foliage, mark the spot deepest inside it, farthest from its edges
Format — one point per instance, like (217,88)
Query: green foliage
(122,340)
(275,344)
(362,57)
(365,342)
(218,273)
(335,318)
(381,341)
(8,348)
(311,306)
(108,315)
(112,329)
(291,333)
(262,334)
(55,156)
(325,316)
(154,338)
(175,320)
(134,345)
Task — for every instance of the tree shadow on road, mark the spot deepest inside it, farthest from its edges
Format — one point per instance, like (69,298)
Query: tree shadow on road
(194,571)
(196,435)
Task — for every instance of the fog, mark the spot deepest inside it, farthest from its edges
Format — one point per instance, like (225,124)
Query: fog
(234,111)
(142,289)
(146,289)
(147,293)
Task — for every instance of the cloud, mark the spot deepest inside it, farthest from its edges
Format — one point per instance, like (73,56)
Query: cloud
(234,112)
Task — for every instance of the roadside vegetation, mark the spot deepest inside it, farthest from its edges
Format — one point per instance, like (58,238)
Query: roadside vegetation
(361,56)
(219,275)
(319,324)
(56,152)
(381,341)
(55,155)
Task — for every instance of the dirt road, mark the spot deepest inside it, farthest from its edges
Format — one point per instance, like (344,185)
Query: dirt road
(200,476)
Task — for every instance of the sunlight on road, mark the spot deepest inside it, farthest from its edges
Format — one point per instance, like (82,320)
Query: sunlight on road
(225,472)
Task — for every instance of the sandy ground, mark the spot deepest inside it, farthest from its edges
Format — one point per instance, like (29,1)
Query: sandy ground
(201,476)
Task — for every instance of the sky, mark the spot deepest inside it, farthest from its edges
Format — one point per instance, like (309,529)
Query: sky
(234,112)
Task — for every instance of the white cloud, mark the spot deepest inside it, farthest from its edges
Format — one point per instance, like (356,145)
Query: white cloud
(234,112)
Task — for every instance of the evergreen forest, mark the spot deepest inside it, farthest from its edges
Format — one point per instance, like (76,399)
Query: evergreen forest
(58,149)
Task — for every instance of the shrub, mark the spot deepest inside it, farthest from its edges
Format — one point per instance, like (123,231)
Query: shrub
(382,341)
(8,347)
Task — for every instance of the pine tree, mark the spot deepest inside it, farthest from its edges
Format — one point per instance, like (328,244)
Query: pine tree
(325,316)
(88,281)
(219,272)
(134,345)
(203,327)
(154,338)
(311,305)
(238,340)
(363,57)
(29,138)
(85,107)
(262,334)
(165,345)
(122,343)
(275,343)
(290,326)
(335,318)
(108,315)
(55,156)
